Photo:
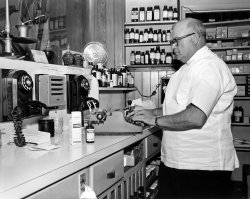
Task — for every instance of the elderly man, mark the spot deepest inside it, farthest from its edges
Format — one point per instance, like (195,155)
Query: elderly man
(197,152)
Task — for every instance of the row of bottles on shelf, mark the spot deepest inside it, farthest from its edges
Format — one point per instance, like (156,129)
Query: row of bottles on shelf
(155,13)
(238,114)
(152,56)
(147,36)
(113,77)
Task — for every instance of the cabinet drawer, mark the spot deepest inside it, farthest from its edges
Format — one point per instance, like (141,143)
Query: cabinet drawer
(105,173)
(152,144)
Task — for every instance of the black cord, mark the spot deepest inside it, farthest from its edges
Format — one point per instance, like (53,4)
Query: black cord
(189,9)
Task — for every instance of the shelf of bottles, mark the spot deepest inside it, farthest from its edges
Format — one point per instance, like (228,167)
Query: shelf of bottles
(113,78)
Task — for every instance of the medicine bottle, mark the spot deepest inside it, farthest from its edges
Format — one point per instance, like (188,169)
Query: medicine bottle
(134,15)
(170,13)
(131,35)
(149,14)
(157,55)
(126,36)
(163,36)
(156,13)
(175,14)
(142,14)
(145,36)
(165,13)
(155,36)
(90,133)
(142,58)
(162,61)
(132,57)
(137,57)
(168,35)
(141,39)
(152,56)
(169,58)
(150,35)
(159,35)
(146,59)
(136,40)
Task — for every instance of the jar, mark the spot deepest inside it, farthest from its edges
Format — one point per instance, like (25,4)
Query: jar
(165,13)
(156,13)
(149,14)
(142,14)
(134,15)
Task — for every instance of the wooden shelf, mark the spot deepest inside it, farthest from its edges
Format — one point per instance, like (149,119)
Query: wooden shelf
(238,62)
(228,39)
(231,47)
(240,124)
(150,67)
(146,23)
(233,22)
(147,44)
(241,98)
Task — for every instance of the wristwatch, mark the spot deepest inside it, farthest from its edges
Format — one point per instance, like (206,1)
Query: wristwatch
(156,119)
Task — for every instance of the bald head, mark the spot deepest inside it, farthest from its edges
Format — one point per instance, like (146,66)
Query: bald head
(195,39)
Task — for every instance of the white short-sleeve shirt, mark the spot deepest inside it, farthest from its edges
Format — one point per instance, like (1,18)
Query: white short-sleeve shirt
(205,81)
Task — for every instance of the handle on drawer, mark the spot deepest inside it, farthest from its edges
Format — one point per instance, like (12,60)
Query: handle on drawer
(155,145)
(111,175)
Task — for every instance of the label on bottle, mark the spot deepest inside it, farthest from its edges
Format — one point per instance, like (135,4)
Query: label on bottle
(90,135)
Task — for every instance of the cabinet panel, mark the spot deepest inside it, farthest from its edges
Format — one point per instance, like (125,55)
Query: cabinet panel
(152,144)
(70,187)
(105,173)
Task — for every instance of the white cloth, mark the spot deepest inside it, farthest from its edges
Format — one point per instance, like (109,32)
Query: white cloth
(94,88)
(206,82)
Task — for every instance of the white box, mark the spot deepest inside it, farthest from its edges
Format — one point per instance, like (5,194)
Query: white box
(75,127)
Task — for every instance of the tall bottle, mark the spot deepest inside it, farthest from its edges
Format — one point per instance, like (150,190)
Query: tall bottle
(150,35)
(145,36)
(157,55)
(165,13)
(149,14)
(126,36)
(170,13)
(142,14)
(132,57)
(156,13)
(152,56)
(132,35)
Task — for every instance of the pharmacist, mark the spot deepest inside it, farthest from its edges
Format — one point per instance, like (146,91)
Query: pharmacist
(197,153)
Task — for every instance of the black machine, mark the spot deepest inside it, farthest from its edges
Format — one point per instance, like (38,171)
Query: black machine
(17,86)
(77,93)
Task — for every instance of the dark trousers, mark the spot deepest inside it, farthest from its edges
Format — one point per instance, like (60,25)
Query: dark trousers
(178,183)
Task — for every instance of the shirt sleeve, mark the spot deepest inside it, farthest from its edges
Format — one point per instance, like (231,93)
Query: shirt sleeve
(206,87)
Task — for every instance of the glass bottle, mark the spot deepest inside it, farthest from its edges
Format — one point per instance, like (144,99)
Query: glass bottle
(149,14)
(150,35)
(169,58)
(162,61)
(157,55)
(163,36)
(165,13)
(145,36)
(132,35)
(142,58)
(126,36)
(159,35)
(90,133)
(142,14)
(155,36)
(152,56)
(156,13)
(115,78)
(134,15)
(137,57)
(141,39)
(146,60)
(170,13)
(136,40)
(132,57)
(175,14)
(168,37)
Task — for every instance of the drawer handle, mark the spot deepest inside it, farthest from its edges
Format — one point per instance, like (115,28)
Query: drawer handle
(111,175)
(155,145)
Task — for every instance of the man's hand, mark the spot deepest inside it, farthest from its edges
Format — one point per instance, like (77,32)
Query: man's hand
(144,115)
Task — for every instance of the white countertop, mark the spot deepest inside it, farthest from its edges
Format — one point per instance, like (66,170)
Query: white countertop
(23,172)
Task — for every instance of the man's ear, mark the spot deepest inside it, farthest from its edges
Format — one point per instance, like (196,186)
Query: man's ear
(195,39)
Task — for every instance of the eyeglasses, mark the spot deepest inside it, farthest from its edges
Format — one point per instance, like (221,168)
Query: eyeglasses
(175,40)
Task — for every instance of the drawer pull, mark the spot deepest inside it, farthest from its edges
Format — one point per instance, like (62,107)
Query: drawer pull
(155,145)
(111,175)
